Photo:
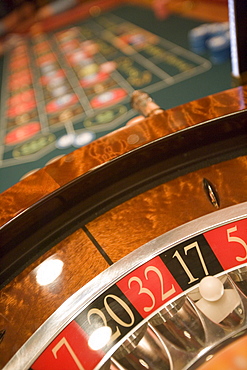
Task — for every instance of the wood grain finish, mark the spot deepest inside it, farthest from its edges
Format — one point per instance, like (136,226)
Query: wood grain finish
(148,215)
(23,304)
(25,193)
(73,165)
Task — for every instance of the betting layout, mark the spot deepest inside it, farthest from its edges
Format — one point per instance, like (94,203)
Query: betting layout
(138,298)
(63,90)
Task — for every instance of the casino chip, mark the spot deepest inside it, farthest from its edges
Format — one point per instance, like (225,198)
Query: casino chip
(52,160)
(65,141)
(29,174)
(219,47)
(83,139)
(197,39)
(212,37)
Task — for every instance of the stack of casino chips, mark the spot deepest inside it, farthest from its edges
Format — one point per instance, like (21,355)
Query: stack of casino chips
(213,38)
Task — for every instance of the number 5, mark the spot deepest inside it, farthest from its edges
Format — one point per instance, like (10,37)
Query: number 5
(237,240)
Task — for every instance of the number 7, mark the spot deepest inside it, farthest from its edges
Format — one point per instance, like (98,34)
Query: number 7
(62,342)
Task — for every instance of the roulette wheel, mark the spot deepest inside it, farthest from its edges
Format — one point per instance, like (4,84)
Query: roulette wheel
(135,258)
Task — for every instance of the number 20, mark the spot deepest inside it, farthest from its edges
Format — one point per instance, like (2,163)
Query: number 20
(111,313)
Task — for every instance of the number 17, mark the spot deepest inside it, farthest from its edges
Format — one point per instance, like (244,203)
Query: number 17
(183,264)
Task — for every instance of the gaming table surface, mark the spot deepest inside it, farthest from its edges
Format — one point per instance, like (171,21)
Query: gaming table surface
(99,210)
(70,81)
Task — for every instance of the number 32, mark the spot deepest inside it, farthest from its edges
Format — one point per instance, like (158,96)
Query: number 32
(143,290)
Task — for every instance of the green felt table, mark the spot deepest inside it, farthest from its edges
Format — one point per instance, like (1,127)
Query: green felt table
(144,53)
